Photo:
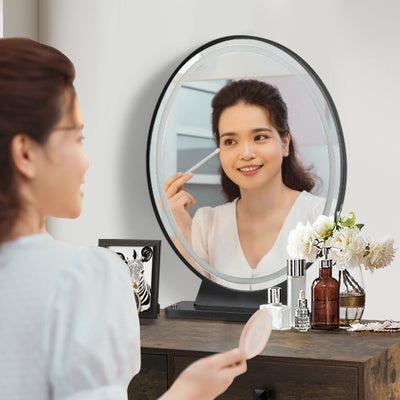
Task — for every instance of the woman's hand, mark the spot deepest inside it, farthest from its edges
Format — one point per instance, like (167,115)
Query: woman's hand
(208,377)
(179,202)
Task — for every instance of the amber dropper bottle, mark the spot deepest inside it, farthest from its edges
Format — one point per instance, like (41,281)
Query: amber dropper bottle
(325,296)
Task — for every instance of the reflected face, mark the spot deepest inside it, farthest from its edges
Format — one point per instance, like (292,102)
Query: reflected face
(252,150)
(61,168)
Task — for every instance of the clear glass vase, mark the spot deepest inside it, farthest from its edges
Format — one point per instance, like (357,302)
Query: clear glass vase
(351,295)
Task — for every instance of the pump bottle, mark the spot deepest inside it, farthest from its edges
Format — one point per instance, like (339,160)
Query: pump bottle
(296,281)
(325,296)
(279,312)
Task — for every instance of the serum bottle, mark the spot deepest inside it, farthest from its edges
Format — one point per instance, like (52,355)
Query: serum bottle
(296,281)
(279,312)
(302,314)
(325,297)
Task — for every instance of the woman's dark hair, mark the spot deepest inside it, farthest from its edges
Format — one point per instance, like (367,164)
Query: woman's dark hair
(251,91)
(36,88)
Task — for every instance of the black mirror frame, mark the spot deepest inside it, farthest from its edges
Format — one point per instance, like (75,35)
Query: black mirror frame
(328,99)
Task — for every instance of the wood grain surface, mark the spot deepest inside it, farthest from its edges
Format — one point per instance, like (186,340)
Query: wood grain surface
(328,365)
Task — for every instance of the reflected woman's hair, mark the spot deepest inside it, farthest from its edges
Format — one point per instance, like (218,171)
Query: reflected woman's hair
(254,92)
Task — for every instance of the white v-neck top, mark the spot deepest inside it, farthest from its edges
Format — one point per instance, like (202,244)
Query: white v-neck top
(68,322)
(215,238)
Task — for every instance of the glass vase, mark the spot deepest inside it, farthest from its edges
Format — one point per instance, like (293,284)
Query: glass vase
(351,295)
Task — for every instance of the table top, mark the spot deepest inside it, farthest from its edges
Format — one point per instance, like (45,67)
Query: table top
(172,335)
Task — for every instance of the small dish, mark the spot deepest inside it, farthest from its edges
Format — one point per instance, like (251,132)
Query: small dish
(255,334)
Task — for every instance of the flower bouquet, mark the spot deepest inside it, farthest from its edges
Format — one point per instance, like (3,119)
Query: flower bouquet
(350,251)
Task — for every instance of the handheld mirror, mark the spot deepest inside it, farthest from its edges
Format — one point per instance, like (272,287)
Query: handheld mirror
(255,334)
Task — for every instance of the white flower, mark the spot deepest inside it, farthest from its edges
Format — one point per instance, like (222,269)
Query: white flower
(352,247)
(380,254)
(323,226)
(349,247)
(301,242)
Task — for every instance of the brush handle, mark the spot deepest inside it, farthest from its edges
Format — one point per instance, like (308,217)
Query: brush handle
(203,161)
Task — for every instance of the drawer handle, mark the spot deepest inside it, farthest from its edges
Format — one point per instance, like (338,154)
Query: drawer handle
(260,394)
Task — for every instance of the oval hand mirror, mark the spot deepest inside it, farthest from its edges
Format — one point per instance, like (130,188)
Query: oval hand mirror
(255,334)
(181,135)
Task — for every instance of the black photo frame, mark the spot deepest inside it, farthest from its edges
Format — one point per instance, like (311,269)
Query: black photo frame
(142,258)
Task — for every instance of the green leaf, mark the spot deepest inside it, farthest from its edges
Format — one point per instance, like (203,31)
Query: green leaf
(348,220)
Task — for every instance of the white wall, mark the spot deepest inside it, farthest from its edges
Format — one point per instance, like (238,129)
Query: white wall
(1,18)
(21,18)
(124,52)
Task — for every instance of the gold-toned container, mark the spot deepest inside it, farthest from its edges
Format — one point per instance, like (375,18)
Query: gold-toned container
(351,295)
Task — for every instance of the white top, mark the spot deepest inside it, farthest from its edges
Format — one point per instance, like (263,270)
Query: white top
(215,240)
(69,327)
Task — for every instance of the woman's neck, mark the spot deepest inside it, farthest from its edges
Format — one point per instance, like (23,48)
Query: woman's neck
(27,224)
(256,204)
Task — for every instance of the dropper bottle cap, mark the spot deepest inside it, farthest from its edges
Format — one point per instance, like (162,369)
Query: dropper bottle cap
(302,299)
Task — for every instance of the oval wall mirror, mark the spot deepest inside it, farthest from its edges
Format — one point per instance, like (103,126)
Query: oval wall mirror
(181,135)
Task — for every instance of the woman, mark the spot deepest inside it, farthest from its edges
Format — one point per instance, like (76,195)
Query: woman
(68,323)
(266,186)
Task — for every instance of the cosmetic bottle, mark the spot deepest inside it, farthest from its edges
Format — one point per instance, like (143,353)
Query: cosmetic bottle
(296,281)
(301,314)
(325,296)
(280,313)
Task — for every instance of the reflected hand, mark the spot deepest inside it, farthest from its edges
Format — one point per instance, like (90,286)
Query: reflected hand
(179,201)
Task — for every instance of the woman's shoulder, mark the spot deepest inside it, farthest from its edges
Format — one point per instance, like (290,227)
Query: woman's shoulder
(88,269)
(68,259)
(68,251)
(311,199)
(94,261)
(59,267)
(217,211)
(310,205)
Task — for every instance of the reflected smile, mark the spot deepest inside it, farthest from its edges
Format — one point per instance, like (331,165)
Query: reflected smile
(250,169)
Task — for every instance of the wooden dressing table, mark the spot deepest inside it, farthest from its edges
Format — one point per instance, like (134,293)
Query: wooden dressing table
(335,365)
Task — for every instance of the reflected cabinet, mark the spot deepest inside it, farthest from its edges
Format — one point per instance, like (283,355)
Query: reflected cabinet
(313,365)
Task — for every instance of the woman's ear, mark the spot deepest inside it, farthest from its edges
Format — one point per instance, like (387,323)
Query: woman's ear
(285,144)
(23,153)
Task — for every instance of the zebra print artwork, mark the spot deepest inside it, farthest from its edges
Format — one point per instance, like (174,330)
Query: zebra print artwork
(137,275)
(142,259)
(140,286)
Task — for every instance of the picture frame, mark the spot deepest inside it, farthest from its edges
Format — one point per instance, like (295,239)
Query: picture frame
(142,258)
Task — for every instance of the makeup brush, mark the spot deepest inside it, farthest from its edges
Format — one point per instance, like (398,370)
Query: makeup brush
(203,161)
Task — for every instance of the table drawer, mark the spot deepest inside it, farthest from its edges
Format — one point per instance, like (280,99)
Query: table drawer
(151,382)
(286,380)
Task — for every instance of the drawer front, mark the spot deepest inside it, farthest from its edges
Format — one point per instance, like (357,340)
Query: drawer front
(287,381)
(151,382)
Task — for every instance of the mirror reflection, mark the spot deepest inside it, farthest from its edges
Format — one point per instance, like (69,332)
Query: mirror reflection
(281,159)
